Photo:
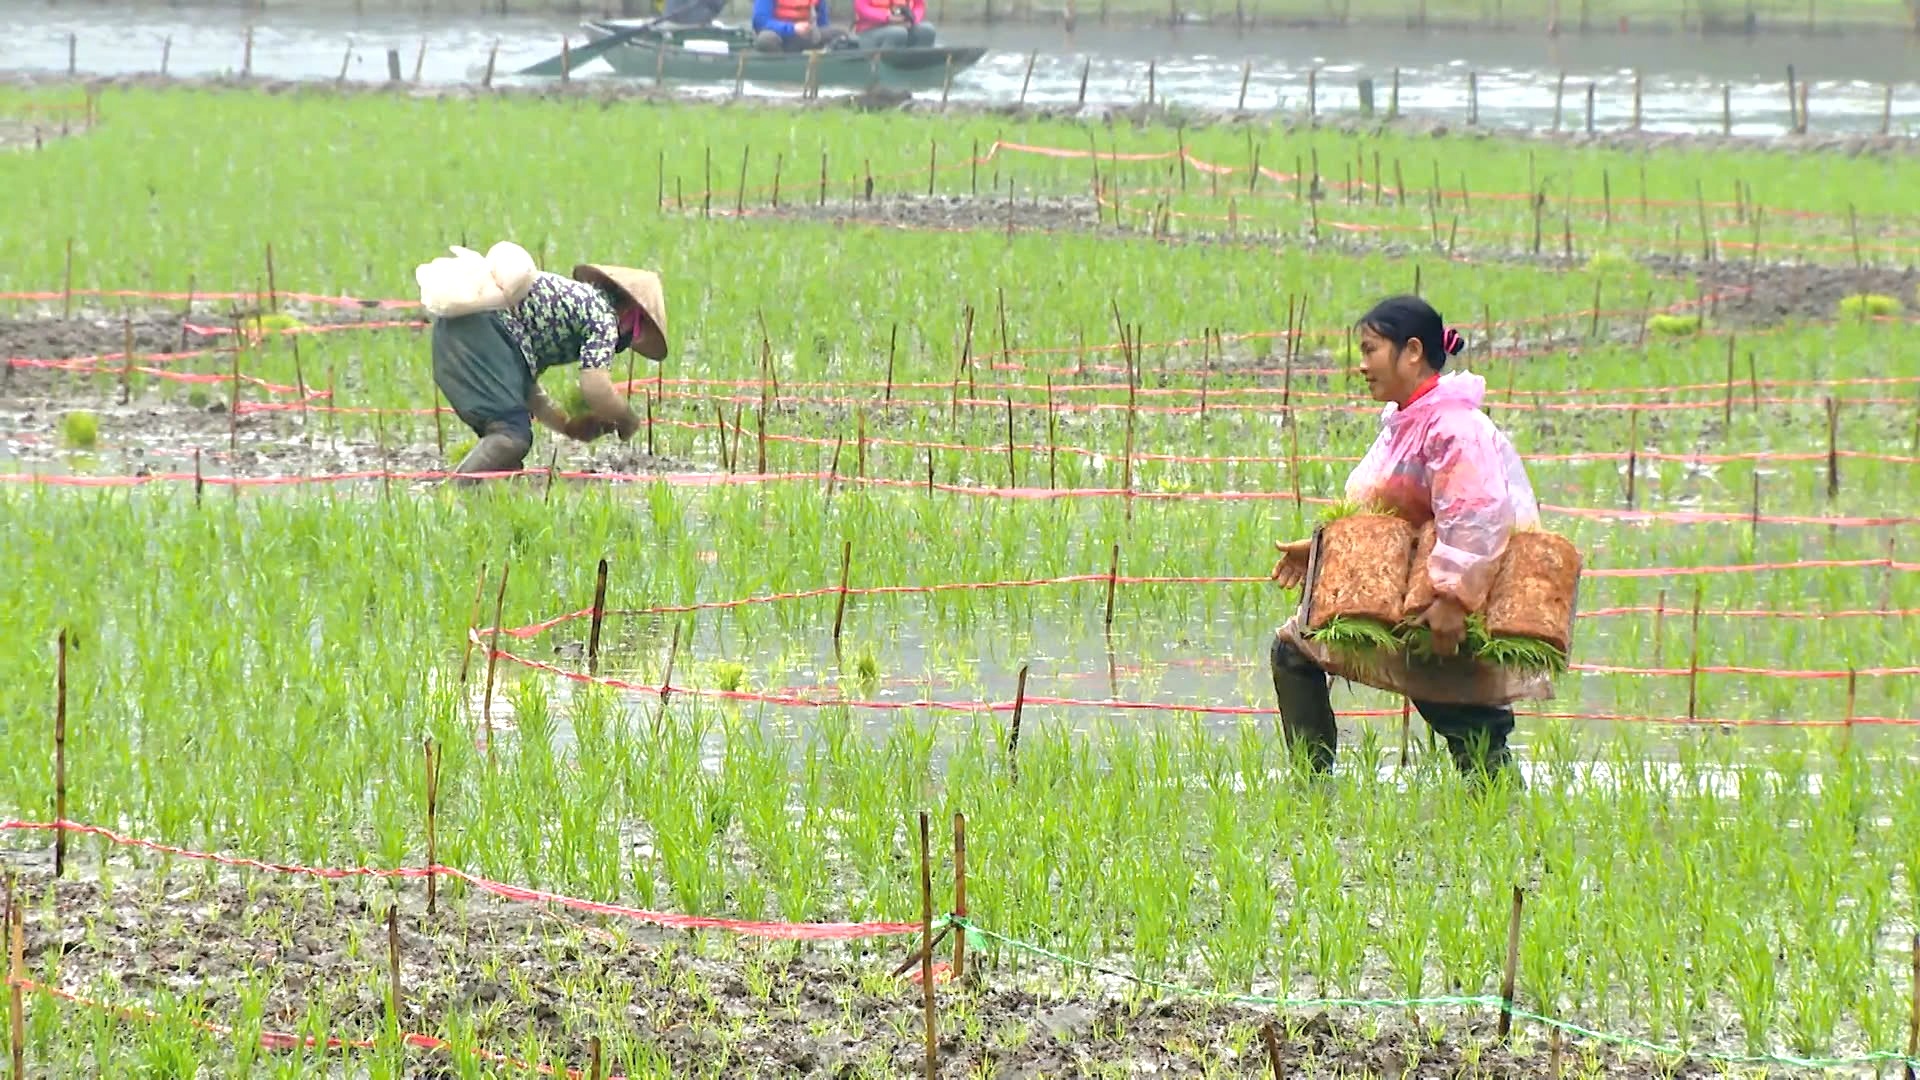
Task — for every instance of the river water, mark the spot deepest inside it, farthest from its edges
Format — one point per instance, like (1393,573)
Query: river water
(1516,72)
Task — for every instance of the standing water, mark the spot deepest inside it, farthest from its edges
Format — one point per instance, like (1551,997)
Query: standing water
(1686,80)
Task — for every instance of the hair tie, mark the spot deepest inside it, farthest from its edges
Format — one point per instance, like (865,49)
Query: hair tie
(1452,342)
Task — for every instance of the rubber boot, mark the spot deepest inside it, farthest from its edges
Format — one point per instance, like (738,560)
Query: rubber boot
(1306,705)
(501,449)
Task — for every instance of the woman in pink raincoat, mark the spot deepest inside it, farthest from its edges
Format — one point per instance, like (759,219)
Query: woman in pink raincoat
(1438,458)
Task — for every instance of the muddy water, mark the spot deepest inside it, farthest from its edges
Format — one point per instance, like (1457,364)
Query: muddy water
(1516,72)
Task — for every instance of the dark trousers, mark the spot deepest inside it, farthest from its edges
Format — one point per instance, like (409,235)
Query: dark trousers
(1476,735)
(480,370)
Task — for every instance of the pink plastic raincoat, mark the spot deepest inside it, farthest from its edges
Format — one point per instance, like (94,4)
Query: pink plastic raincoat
(1441,459)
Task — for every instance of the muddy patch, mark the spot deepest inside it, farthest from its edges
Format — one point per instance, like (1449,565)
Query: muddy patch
(520,979)
(1766,295)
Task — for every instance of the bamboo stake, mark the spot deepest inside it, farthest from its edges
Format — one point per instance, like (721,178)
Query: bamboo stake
(596,1068)
(60,760)
(926,949)
(493,655)
(1513,960)
(599,614)
(1013,734)
(960,894)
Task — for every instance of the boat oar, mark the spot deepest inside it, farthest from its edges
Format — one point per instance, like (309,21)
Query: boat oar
(573,58)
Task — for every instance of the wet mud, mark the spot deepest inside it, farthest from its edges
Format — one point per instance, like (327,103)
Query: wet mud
(1767,295)
(127,933)
(171,429)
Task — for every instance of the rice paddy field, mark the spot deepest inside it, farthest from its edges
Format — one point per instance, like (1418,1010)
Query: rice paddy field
(952,515)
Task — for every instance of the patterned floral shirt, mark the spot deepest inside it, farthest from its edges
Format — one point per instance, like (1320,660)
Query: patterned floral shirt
(563,320)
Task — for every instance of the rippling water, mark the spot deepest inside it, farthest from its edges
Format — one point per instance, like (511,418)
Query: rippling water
(1202,68)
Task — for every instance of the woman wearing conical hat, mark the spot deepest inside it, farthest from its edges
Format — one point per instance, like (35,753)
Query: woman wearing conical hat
(488,362)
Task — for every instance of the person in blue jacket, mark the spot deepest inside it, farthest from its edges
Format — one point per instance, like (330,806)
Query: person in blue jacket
(792,25)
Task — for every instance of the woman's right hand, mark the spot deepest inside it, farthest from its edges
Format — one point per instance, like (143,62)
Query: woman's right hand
(1291,570)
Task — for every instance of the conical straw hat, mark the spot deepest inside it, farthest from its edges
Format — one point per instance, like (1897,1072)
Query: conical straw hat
(641,287)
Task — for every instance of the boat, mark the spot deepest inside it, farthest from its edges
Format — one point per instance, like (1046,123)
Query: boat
(721,53)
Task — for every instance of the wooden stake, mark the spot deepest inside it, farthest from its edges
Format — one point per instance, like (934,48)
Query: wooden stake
(493,655)
(1013,734)
(1633,454)
(66,303)
(893,341)
(60,759)
(1833,452)
(1913,1017)
(1726,412)
(16,976)
(1113,581)
(1660,628)
(1013,477)
(840,609)
(596,1068)
(1693,669)
(926,949)
(599,614)
(233,395)
(433,824)
(673,653)
(1268,1036)
(960,894)
(740,196)
(393,963)
(1513,960)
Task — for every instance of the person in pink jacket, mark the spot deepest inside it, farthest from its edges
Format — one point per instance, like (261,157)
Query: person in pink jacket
(892,24)
(1437,458)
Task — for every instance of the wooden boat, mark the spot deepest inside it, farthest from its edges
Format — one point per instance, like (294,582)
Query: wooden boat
(717,53)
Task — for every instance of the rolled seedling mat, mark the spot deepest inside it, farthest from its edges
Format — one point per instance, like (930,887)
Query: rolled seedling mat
(1533,595)
(1419,582)
(1361,569)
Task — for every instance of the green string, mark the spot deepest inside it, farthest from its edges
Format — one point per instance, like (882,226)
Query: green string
(980,936)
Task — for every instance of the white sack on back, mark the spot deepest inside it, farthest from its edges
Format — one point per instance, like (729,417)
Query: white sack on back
(468,282)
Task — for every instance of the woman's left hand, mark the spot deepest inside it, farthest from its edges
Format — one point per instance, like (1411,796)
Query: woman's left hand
(1448,622)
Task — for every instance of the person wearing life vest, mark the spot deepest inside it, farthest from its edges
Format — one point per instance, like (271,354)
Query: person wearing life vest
(488,362)
(792,25)
(892,24)
(1437,458)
